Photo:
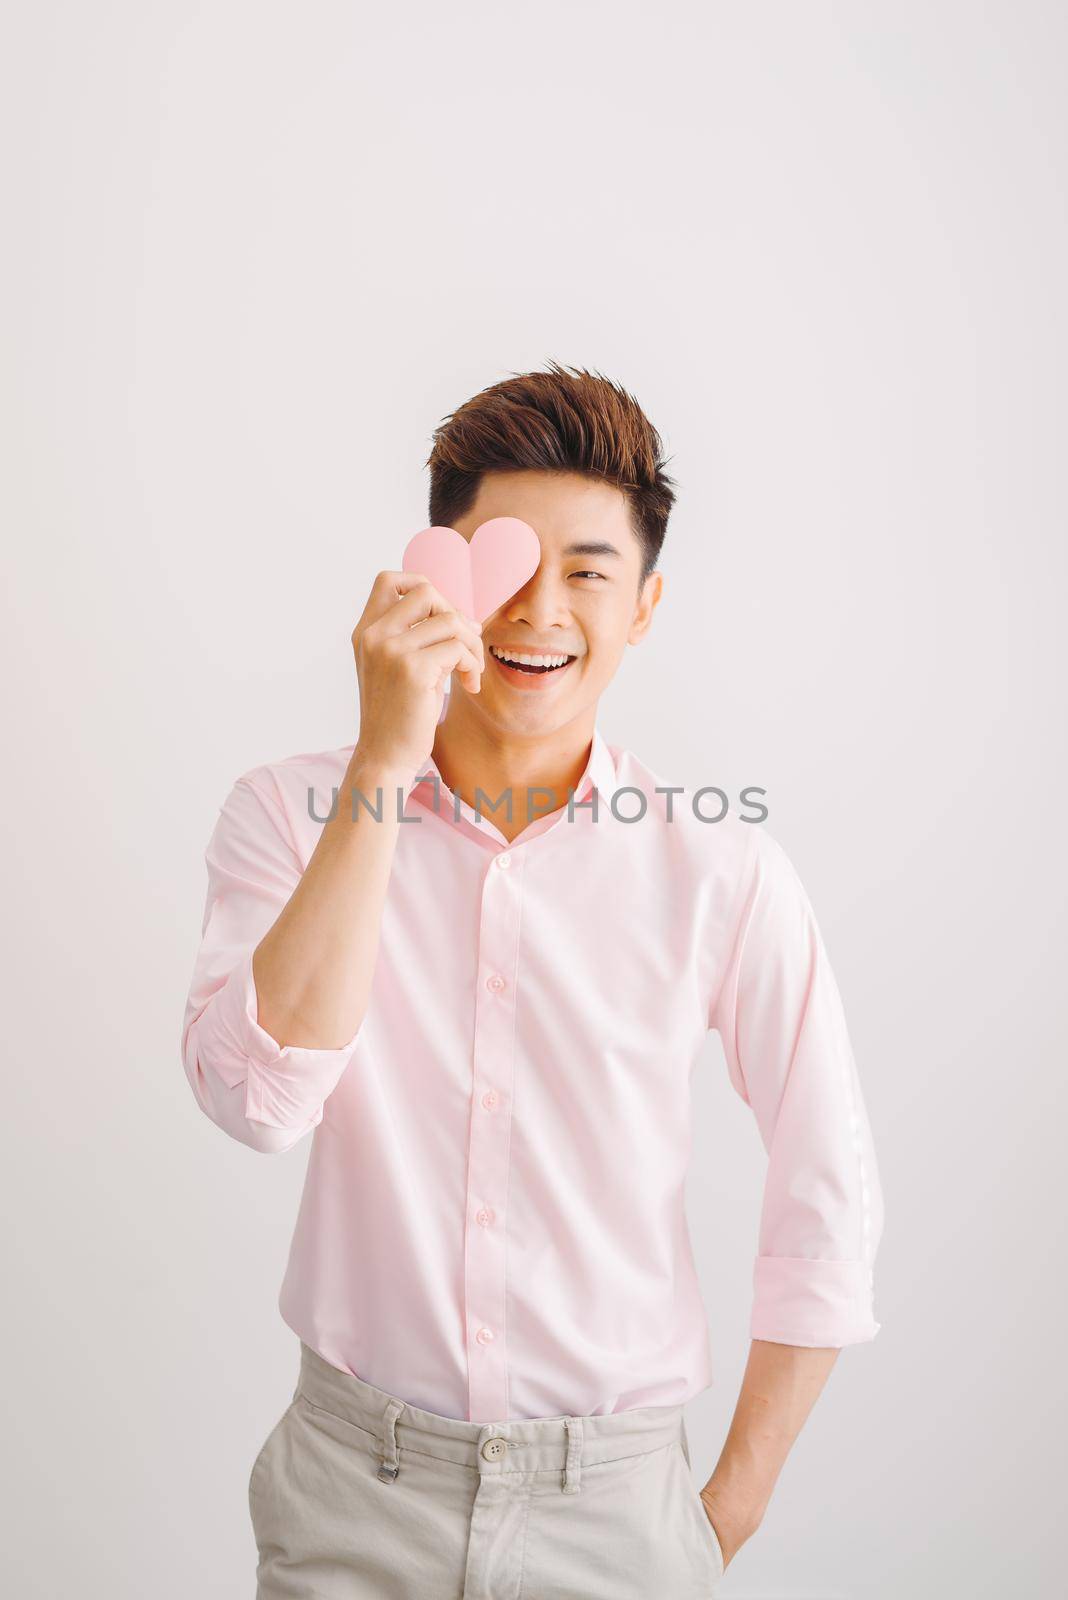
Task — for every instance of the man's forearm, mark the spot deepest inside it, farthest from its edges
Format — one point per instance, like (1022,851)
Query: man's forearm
(781,1384)
(313,969)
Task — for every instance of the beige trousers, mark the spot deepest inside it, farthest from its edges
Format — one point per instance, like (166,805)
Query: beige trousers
(357,1495)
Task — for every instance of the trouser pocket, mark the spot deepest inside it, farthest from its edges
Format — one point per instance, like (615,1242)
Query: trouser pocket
(705,1532)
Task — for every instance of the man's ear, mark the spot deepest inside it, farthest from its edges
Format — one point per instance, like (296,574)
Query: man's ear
(648,600)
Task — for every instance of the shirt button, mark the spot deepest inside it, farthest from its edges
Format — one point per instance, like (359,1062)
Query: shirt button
(495,982)
(484,1335)
(485,1216)
(494,1449)
(489,1099)
(504,860)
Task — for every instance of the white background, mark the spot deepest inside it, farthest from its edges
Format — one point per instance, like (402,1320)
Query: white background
(253,253)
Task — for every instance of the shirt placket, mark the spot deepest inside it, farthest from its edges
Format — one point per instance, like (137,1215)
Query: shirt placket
(493,1093)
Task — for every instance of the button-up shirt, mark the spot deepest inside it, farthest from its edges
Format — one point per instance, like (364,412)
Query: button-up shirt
(493,1224)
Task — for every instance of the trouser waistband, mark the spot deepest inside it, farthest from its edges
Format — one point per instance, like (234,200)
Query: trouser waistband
(541,1444)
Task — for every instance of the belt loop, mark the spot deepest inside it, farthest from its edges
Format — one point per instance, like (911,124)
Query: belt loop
(387,1472)
(572,1470)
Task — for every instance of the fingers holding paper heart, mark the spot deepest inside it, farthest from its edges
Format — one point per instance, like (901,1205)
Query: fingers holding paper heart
(416,631)
(407,643)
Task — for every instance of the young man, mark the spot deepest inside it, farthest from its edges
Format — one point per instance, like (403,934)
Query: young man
(489,1020)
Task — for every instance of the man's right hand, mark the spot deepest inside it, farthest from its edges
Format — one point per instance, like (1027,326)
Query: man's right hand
(406,644)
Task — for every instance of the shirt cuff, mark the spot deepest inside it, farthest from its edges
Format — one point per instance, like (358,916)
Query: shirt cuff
(286,1085)
(824,1304)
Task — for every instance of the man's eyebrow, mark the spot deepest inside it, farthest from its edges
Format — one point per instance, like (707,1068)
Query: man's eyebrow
(592,548)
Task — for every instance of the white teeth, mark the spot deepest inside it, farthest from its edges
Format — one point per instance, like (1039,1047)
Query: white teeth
(528,661)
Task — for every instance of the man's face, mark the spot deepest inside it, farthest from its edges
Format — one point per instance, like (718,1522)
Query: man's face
(584,602)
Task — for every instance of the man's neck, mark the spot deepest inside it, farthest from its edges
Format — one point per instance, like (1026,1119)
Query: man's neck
(471,757)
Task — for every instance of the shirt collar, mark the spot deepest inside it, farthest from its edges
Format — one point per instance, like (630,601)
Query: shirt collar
(601,767)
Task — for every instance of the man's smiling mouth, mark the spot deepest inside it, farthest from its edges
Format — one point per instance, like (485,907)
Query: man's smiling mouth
(533,661)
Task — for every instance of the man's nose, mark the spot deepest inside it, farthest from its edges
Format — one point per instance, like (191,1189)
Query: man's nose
(540,603)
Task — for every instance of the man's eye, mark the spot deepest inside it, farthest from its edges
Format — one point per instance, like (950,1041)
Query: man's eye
(587,574)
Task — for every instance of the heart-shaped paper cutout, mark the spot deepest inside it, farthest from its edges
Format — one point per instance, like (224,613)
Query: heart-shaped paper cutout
(477,575)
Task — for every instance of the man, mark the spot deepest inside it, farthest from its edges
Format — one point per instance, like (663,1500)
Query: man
(487,1017)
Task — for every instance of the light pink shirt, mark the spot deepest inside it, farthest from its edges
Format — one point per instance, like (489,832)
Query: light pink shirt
(493,1224)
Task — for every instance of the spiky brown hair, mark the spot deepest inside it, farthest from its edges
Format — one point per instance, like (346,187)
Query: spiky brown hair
(564,420)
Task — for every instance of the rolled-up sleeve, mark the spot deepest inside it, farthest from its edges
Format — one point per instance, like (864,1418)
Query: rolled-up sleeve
(780,1017)
(263,1094)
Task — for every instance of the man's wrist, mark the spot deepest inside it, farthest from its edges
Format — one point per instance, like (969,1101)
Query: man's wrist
(369,773)
(735,1515)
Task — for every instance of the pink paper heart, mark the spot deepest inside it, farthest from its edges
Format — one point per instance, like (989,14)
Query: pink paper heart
(480,575)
